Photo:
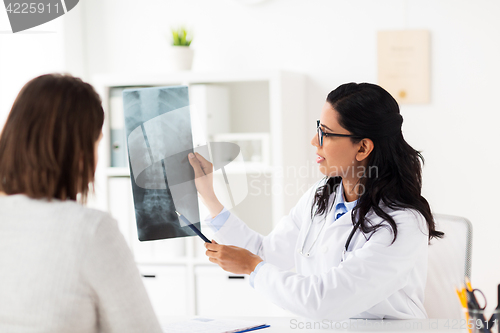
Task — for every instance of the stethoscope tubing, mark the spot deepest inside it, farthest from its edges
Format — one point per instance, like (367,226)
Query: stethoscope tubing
(347,243)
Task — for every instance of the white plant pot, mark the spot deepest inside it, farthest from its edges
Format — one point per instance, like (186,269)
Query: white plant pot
(181,58)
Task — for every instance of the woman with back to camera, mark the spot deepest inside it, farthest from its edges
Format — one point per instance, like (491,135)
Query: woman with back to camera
(355,245)
(64,267)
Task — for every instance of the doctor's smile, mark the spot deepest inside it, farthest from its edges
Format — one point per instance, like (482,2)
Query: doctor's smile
(355,244)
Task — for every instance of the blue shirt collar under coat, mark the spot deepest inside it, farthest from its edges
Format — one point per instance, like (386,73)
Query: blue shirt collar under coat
(341,206)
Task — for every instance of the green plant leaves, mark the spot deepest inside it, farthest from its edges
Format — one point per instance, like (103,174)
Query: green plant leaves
(181,37)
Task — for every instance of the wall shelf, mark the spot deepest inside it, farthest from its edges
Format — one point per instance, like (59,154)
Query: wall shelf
(264,104)
(248,168)
(117,172)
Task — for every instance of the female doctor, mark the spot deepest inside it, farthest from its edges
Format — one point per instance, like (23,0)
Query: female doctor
(355,245)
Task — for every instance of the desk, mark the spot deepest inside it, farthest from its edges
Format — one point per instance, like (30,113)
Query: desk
(297,324)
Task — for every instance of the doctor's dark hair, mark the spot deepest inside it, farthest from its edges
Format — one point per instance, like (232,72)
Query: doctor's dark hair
(368,111)
(48,141)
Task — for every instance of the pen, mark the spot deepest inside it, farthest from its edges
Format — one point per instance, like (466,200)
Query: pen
(468,285)
(462,296)
(198,232)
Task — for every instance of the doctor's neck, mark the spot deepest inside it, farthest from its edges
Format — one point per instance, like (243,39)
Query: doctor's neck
(352,189)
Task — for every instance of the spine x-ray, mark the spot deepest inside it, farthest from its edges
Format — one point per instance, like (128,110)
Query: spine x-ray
(159,139)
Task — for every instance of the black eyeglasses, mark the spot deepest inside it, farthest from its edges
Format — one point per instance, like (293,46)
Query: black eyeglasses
(322,134)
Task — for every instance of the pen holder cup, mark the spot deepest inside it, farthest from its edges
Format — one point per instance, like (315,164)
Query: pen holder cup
(480,323)
(494,321)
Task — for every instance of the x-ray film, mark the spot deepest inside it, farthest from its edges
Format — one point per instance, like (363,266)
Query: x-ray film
(159,139)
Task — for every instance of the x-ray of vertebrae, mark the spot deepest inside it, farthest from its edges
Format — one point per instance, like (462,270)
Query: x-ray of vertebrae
(159,138)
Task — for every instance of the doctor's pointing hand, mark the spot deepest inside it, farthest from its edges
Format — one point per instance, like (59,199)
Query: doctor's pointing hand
(355,244)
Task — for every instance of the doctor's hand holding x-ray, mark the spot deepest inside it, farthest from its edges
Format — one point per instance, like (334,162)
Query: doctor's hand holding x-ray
(355,244)
(230,258)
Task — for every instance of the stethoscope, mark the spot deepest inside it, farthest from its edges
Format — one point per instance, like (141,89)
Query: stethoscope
(347,243)
(344,252)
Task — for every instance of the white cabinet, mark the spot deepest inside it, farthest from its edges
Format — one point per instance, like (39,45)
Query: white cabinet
(262,112)
(219,292)
(167,288)
(211,105)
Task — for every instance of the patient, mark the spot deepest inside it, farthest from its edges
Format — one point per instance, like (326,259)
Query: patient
(63,267)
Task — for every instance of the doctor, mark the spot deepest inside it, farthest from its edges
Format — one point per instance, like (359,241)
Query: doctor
(355,245)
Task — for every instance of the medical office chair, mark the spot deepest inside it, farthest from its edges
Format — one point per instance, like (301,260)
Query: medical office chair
(449,263)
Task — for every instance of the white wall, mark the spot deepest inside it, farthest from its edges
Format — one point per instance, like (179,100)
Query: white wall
(332,41)
(56,46)
(25,55)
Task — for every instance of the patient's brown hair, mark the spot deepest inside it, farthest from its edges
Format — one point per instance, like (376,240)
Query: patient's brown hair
(47,143)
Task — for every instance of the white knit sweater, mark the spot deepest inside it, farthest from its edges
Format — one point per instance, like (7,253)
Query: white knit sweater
(67,268)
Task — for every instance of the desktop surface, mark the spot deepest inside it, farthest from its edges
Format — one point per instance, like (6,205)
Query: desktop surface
(297,324)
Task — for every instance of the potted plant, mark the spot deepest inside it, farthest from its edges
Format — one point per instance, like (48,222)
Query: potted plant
(180,51)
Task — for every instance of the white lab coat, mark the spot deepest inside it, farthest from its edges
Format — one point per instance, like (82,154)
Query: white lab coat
(377,280)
